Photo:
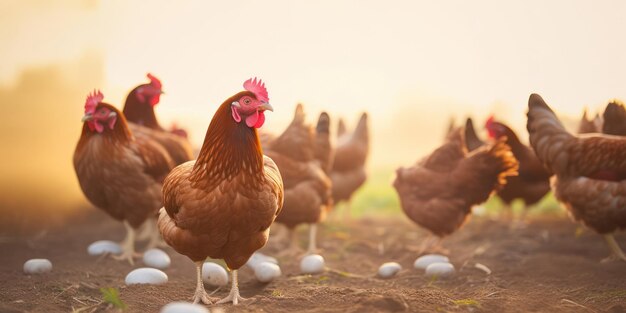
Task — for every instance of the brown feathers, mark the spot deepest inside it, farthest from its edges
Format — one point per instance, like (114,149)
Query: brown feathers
(590,170)
(222,205)
(438,192)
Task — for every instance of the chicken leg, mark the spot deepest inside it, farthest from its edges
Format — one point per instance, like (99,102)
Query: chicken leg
(128,246)
(233,296)
(616,251)
(293,248)
(154,237)
(200,294)
(432,243)
(312,239)
(347,214)
(144,230)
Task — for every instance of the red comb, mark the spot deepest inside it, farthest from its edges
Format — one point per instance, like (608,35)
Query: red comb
(154,81)
(92,101)
(258,88)
(490,120)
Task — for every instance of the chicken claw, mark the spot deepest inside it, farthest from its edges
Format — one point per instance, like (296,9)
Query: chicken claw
(128,246)
(200,295)
(233,296)
(616,252)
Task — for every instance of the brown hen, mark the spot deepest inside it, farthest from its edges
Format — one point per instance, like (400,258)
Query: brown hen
(302,153)
(348,169)
(222,205)
(533,181)
(439,191)
(139,111)
(119,173)
(590,171)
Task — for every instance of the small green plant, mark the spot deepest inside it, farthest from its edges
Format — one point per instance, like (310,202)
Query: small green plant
(277,293)
(466,302)
(112,295)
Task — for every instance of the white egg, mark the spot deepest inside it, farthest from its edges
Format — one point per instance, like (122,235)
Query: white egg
(265,272)
(389,269)
(146,275)
(258,258)
(312,264)
(104,246)
(156,258)
(422,262)
(440,269)
(214,275)
(37,266)
(183,307)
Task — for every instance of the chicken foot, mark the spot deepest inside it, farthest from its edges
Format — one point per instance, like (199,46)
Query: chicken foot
(200,295)
(432,243)
(616,251)
(145,229)
(293,249)
(233,296)
(128,246)
(154,237)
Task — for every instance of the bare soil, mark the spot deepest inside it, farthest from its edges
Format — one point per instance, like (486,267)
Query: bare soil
(550,266)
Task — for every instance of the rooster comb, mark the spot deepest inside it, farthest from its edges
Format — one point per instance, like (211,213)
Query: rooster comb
(490,120)
(154,81)
(92,101)
(257,87)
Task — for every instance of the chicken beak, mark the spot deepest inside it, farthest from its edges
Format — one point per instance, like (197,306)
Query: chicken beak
(162,92)
(86,117)
(266,106)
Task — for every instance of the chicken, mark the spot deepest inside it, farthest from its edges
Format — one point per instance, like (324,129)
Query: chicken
(222,204)
(472,141)
(139,111)
(533,181)
(301,153)
(348,168)
(590,171)
(118,172)
(587,125)
(614,119)
(439,191)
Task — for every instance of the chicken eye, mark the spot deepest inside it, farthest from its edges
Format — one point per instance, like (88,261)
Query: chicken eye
(102,112)
(247,101)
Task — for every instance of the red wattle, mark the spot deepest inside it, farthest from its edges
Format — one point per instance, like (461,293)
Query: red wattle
(252,119)
(261,120)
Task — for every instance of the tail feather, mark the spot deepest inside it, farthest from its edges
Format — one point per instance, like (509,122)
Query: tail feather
(471,138)
(486,170)
(341,128)
(614,119)
(361,131)
(323,148)
(547,134)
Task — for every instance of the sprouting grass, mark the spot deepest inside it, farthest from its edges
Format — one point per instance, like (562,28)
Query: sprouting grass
(378,197)
(466,302)
(609,295)
(112,296)
(277,293)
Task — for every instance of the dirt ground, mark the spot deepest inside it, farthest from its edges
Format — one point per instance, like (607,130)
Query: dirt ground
(550,266)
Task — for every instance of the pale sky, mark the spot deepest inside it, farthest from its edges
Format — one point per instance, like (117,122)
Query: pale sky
(411,64)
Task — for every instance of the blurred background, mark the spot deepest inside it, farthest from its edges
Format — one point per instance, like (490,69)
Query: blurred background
(411,64)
